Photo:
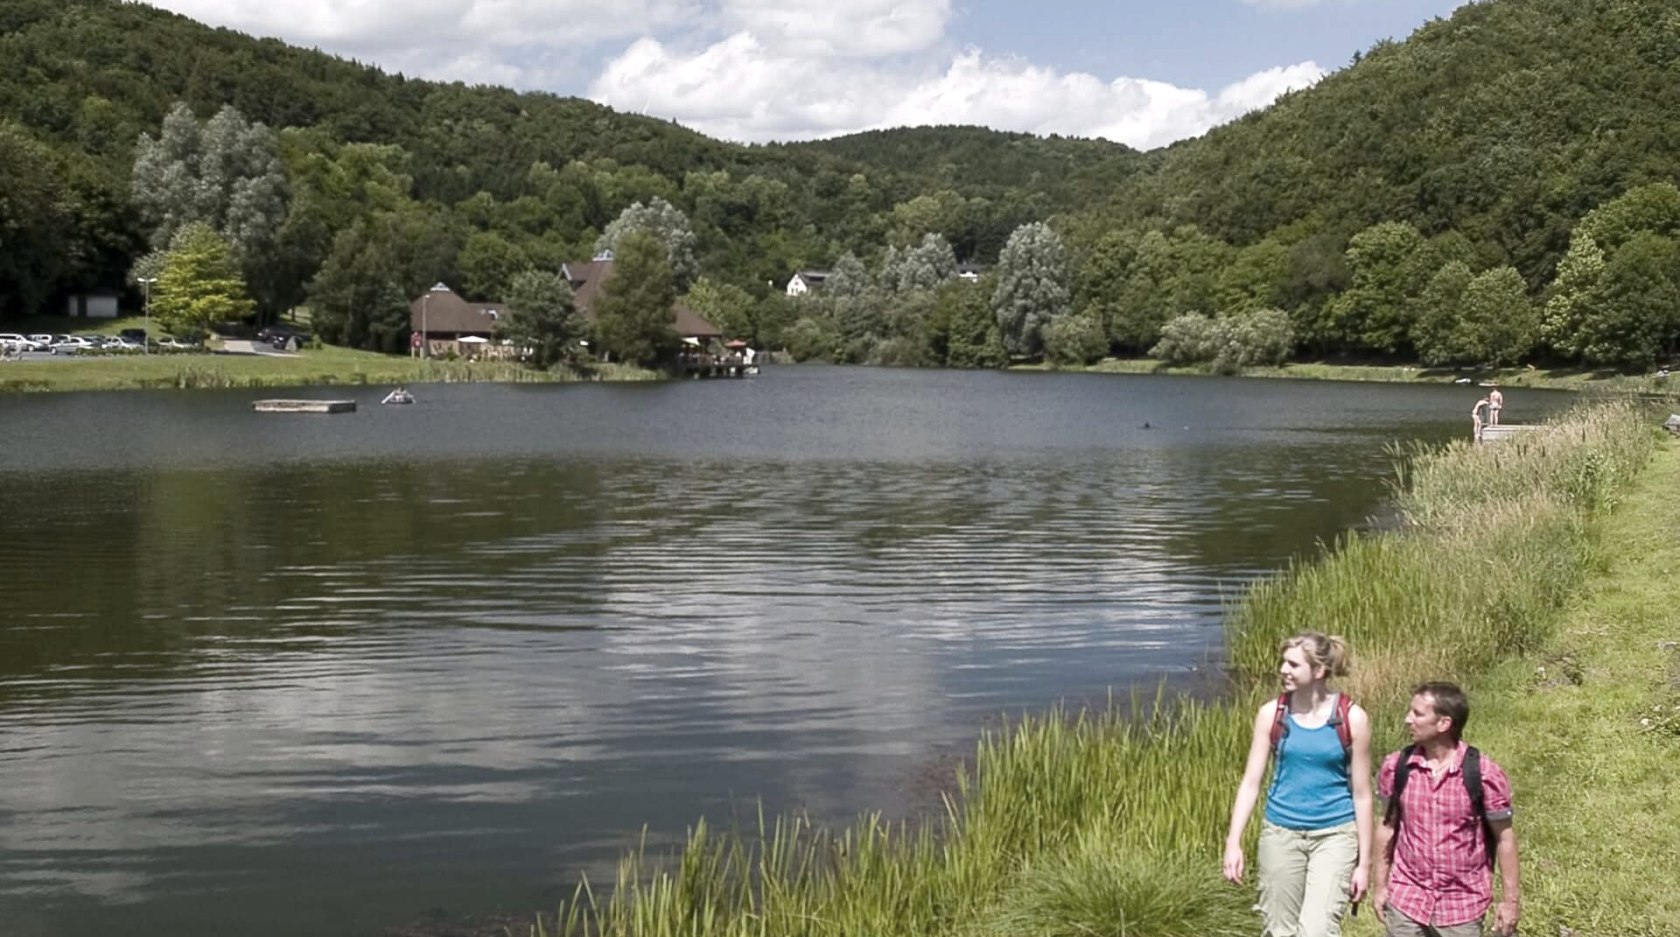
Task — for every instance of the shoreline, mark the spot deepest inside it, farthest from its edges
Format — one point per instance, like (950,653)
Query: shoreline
(1573,379)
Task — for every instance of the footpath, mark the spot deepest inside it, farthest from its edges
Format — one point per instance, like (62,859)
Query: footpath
(1590,733)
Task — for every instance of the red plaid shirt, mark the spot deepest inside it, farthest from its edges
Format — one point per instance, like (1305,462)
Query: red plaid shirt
(1440,874)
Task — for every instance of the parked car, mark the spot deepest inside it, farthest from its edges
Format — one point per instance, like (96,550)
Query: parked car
(123,344)
(72,344)
(137,336)
(42,339)
(16,342)
(170,341)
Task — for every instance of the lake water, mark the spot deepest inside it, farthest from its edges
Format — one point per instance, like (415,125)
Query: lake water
(328,675)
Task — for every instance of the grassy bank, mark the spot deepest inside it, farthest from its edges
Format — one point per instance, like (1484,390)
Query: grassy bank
(1101,824)
(1572,378)
(328,366)
(1590,730)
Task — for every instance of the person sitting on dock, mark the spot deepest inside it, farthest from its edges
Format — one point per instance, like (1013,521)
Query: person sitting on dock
(1476,417)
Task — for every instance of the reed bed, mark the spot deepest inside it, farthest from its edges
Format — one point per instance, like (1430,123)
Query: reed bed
(1108,823)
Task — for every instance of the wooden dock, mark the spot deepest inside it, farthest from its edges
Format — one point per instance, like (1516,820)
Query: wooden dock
(304,406)
(1504,431)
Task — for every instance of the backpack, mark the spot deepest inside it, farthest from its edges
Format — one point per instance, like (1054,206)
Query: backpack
(1471,771)
(1338,718)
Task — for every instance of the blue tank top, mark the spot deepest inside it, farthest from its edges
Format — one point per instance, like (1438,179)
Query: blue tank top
(1311,789)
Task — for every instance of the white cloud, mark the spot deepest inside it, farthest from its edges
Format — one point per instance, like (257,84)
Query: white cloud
(439,29)
(865,28)
(744,89)
(752,70)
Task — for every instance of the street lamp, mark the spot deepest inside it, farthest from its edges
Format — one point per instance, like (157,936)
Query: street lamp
(146,288)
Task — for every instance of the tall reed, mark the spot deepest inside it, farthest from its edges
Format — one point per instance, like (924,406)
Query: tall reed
(1107,823)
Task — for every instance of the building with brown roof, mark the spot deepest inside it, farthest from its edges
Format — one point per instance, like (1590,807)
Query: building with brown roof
(587,277)
(443,323)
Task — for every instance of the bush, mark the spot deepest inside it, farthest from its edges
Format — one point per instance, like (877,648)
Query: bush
(1186,339)
(1075,339)
(809,340)
(1252,339)
(1229,343)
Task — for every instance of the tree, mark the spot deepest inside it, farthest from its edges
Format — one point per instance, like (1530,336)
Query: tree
(1630,315)
(724,305)
(633,317)
(1076,339)
(848,278)
(200,285)
(1564,324)
(668,226)
(34,224)
(973,339)
(1376,310)
(1436,333)
(1186,339)
(360,297)
(488,263)
(1497,324)
(541,317)
(926,265)
(226,174)
(1033,290)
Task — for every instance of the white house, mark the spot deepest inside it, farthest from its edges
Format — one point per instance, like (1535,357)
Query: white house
(94,304)
(805,281)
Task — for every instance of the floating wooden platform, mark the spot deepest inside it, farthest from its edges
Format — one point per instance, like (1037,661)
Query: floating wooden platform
(304,406)
(1505,431)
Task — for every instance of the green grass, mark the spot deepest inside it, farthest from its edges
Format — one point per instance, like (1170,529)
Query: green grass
(1108,823)
(330,365)
(1588,730)
(1561,378)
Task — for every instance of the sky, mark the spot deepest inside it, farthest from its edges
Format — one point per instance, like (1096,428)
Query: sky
(1141,72)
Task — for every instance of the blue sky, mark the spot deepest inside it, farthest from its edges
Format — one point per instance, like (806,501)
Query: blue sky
(1143,73)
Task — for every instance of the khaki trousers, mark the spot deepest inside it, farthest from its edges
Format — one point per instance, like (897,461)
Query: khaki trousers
(1304,878)
(1399,925)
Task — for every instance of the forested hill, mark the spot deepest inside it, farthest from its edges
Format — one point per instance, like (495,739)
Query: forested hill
(86,78)
(981,157)
(1495,187)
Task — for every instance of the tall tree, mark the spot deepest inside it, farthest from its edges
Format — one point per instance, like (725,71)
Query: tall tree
(226,174)
(633,317)
(1497,323)
(542,317)
(1033,290)
(200,284)
(668,226)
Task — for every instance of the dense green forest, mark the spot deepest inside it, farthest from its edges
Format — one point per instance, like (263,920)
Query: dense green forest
(1496,188)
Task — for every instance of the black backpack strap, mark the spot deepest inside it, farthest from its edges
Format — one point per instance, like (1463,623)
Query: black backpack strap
(1402,768)
(1472,772)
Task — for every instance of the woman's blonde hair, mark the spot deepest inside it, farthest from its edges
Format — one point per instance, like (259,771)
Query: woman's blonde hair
(1323,652)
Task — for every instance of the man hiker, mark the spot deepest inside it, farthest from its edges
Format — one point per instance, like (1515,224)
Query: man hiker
(1447,823)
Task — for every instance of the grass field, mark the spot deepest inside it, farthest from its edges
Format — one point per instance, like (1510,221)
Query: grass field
(330,366)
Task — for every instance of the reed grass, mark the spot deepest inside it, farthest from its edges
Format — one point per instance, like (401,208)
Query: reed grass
(1107,823)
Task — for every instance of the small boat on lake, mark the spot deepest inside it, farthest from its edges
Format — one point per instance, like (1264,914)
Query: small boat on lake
(400,395)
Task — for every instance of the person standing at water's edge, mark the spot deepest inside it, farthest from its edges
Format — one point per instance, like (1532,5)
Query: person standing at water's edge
(1315,843)
(1447,825)
(1476,418)
(1496,403)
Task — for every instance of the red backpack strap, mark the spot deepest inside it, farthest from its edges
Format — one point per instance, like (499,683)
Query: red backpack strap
(1280,721)
(1343,723)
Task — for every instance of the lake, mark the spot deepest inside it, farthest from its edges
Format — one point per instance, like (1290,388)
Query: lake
(274,674)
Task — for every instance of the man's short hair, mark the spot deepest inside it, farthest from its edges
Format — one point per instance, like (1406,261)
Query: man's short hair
(1448,700)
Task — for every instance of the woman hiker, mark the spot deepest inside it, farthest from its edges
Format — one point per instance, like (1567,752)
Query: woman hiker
(1315,842)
